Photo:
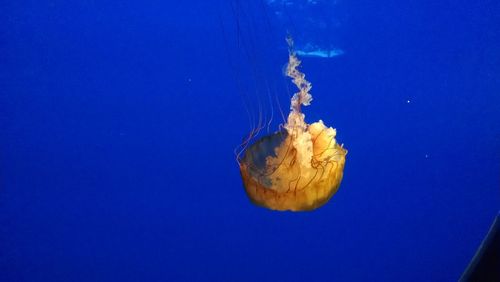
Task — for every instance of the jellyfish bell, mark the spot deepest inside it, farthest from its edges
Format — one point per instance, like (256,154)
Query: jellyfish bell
(280,175)
(298,168)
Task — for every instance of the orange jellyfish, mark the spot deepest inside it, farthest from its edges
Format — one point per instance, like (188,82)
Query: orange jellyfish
(299,167)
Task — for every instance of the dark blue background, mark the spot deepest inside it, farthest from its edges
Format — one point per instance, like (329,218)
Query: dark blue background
(118,122)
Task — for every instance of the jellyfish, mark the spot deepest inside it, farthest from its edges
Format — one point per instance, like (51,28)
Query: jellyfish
(299,167)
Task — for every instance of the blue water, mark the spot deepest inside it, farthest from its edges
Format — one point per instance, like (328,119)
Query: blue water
(118,122)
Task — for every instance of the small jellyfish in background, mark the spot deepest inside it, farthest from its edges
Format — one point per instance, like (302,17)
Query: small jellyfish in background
(299,167)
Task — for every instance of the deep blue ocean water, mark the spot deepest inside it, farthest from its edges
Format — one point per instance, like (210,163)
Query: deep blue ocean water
(118,122)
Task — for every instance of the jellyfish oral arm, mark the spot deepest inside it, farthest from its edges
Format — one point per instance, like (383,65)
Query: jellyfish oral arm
(296,120)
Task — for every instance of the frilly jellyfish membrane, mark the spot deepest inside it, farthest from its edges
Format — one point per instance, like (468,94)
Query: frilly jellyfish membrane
(300,166)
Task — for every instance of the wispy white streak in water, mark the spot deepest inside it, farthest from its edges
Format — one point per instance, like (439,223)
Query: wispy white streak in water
(320,53)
